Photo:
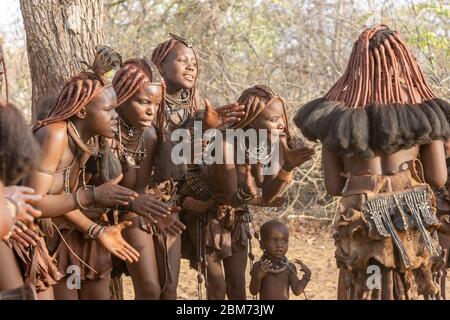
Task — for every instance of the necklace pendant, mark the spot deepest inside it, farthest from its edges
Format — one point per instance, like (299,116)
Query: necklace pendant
(130,132)
(130,161)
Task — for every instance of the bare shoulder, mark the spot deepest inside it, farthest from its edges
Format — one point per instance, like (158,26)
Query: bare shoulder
(150,135)
(53,136)
(53,140)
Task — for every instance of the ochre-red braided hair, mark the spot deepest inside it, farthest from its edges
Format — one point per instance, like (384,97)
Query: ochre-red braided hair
(75,94)
(160,53)
(132,76)
(380,66)
(267,95)
(83,87)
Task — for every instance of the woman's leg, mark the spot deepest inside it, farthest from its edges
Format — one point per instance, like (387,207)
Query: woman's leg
(444,242)
(95,289)
(62,291)
(174,252)
(10,273)
(235,267)
(215,286)
(215,281)
(144,273)
(342,288)
(46,295)
(387,283)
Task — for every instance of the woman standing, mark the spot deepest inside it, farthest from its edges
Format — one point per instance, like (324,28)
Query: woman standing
(382,130)
(177,62)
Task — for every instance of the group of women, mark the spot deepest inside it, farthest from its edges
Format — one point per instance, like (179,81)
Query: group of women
(92,191)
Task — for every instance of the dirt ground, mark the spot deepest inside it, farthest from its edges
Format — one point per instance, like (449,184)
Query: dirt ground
(310,241)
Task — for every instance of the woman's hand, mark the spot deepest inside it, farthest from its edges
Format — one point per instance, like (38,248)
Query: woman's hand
(170,225)
(23,235)
(111,238)
(252,107)
(111,194)
(295,157)
(24,197)
(148,206)
(215,118)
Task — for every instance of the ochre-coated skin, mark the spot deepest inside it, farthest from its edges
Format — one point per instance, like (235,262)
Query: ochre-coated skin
(98,117)
(275,286)
(432,156)
(179,70)
(139,111)
(227,178)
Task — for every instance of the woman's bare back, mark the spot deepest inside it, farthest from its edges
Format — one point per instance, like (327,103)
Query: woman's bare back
(431,155)
(381,163)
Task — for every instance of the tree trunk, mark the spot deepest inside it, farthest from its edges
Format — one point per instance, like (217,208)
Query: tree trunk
(60,34)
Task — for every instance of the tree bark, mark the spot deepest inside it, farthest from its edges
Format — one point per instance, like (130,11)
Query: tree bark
(60,34)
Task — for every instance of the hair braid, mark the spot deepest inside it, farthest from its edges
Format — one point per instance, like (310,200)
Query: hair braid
(132,76)
(83,87)
(380,64)
(160,53)
(266,94)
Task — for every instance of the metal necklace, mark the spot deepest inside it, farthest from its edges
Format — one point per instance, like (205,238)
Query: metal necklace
(259,153)
(178,107)
(132,136)
(277,265)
